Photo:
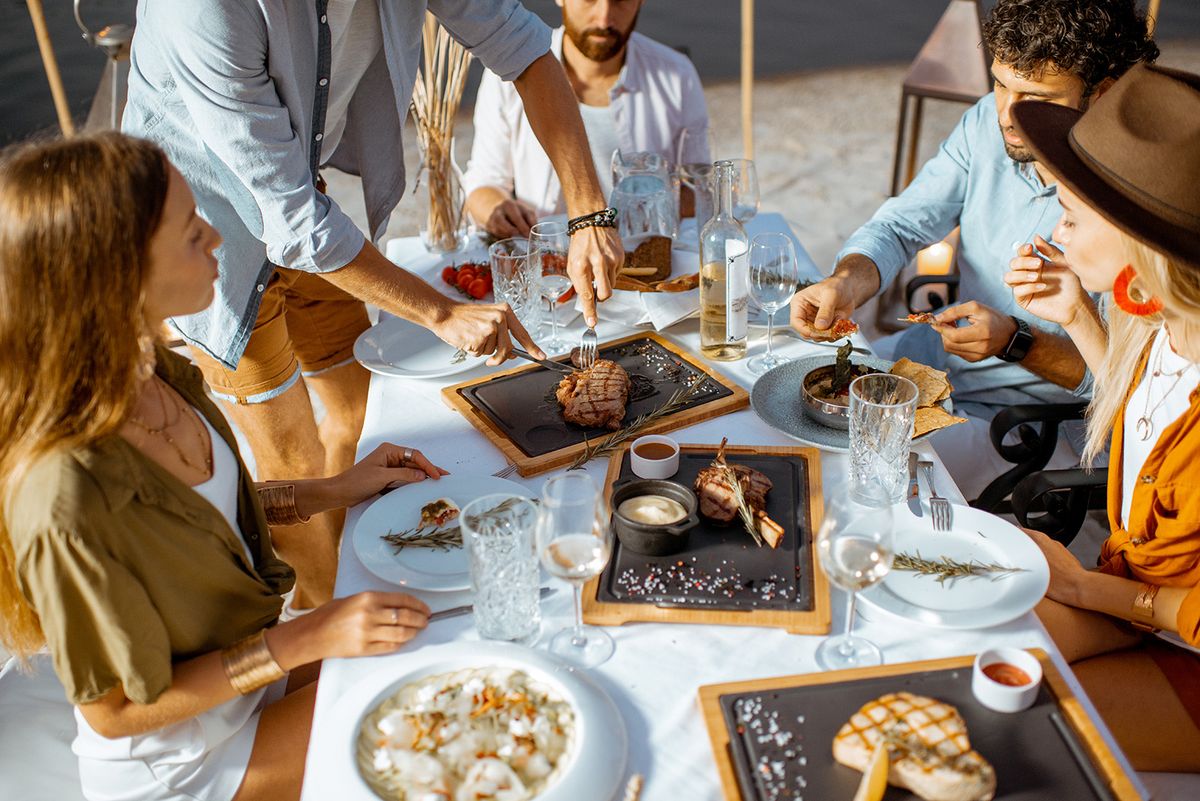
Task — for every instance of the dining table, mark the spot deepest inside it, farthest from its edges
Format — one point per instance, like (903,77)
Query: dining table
(656,669)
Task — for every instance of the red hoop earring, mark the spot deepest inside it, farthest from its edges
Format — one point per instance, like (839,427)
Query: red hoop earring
(1126,303)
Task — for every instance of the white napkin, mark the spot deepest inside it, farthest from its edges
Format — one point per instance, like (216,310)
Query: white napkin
(657,309)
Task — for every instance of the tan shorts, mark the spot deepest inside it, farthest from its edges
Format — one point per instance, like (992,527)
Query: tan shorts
(305,325)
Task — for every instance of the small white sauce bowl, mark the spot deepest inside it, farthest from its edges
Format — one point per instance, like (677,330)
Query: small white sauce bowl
(654,468)
(1003,697)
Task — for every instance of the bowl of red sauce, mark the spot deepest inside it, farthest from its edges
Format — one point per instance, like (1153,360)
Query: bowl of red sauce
(1006,679)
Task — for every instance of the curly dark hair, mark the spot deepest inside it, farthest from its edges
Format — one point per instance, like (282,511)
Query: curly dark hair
(1092,39)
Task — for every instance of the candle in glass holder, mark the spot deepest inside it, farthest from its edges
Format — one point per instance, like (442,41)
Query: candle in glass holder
(935,259)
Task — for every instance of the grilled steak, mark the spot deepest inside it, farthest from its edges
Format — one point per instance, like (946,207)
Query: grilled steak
(716,493)
(595,398)
(927,744)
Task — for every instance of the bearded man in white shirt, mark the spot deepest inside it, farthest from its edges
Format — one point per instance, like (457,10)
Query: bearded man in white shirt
(634,95)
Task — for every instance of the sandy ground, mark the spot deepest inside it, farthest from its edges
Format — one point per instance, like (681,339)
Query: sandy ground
(824,145)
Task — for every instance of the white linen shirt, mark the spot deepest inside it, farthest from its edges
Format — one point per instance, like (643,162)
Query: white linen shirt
(656,96)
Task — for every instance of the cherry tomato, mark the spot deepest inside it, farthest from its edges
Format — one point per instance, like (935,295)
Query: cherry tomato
(449,274)
(464,280)
(478,288)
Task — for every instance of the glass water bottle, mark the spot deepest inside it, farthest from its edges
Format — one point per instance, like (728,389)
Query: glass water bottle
(724,285)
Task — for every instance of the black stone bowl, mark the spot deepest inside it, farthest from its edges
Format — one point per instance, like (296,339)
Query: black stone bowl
(648,539)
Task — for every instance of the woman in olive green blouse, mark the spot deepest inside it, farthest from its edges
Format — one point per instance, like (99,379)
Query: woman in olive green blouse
(133,543)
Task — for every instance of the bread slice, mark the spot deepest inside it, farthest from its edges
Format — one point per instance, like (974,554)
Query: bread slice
(650,261)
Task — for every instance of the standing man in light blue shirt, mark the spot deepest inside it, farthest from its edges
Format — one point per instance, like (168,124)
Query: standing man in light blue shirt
(250,98)
(985,181)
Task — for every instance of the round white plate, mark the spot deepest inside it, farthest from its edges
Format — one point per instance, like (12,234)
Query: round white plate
(593,769)
(976,602)
(400,509)
(396,347)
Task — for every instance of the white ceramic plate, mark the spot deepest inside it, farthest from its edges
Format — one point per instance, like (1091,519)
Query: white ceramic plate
(396,347)
(776,400)
(969,603)
(593,769)
(400,509)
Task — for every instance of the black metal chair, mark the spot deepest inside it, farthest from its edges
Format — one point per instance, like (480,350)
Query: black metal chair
(1056,502)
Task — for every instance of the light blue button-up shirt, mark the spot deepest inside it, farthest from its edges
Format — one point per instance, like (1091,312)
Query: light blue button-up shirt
(235,91)
(971,183)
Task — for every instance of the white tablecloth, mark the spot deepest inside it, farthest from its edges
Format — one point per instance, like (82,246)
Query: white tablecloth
(657,668)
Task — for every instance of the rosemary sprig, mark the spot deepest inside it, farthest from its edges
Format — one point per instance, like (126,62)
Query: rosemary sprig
(946,568)
(442,539)
(739,498)
(613,441)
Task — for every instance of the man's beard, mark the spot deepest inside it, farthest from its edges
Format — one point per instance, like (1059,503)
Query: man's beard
(1018,153)
(598,50)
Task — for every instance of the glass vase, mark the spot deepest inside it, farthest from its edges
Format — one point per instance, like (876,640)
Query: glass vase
(439,193)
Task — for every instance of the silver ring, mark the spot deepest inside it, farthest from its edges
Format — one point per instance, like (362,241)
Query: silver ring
(395,616)
(407,455)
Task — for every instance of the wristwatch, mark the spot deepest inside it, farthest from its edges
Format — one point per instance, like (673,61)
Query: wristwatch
(1018,346)
(1143,608)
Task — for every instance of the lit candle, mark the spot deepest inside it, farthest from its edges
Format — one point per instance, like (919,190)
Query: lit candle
(935,259)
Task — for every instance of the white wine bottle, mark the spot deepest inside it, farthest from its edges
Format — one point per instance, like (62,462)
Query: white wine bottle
(724,275)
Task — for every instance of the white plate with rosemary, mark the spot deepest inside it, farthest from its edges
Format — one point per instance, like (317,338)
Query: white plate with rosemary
(391,542)
(983,572)
(551,700)
(396,347)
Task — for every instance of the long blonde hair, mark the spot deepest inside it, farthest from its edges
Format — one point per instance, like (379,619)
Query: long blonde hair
(1178,286)
(76,218)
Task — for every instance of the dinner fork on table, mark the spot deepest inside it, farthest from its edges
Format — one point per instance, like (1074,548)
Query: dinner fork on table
(588,346)
(505,472)
(939,507)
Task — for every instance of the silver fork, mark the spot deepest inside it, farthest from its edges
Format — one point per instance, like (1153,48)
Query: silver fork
(505,472)
(939,507)
(588,346)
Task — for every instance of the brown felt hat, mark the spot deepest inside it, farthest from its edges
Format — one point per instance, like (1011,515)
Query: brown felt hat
(1134,156)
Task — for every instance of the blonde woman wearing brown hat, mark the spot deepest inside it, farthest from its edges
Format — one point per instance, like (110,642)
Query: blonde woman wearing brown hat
(133,544)
(1128,173)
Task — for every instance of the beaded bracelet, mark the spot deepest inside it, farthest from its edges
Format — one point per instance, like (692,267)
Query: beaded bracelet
(279,505)
(249,664)
(605,218)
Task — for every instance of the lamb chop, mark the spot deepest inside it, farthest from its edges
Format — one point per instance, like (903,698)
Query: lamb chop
(928,746)
(595,398)
(718,501)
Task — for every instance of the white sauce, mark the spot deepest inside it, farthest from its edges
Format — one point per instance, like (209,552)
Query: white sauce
(654,510)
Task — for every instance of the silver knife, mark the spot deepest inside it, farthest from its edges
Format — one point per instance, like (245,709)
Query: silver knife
(549,365)
(455,611)
(914,489)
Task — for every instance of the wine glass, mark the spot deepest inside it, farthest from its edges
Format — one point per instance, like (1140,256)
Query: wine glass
(855,548)
(574,540)
(745,190)
(774,274)
(548,244)
(694,155)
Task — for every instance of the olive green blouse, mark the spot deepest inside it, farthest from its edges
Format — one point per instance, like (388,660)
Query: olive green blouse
(130,570)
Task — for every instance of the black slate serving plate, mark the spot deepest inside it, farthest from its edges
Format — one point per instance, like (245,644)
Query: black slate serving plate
(1036,755)
(523,407)
(722,567)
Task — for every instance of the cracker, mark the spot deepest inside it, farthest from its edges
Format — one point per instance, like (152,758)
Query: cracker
(932,385)
(933,418)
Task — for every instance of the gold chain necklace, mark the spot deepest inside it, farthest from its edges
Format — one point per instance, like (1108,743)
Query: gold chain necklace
(163,433)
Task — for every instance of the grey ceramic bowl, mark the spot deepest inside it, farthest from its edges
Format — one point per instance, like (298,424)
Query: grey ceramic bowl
(646,538)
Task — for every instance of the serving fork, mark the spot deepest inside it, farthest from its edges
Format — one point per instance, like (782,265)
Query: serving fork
(939,507)
(588,347)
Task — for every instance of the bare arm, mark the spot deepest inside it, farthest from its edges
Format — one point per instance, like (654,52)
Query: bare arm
(360,625)
(476,328)
(553,114)
(500,214)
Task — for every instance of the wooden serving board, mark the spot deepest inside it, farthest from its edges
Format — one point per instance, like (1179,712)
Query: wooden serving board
(1020,745)
(601,608)
(515,408)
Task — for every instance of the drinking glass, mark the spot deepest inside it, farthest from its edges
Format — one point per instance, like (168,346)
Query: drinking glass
(882,410)
(774,273)
(514,280)
(574,540)
(694,153)
(498,533)
(855,548)
(548,244)
(745,190)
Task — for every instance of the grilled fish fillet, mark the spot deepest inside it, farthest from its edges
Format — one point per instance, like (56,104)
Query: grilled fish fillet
(928,748)
(595,398)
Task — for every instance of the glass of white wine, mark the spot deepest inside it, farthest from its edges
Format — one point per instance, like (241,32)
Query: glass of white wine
(574,540)
(855,547)
(548,245)
(774,274)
